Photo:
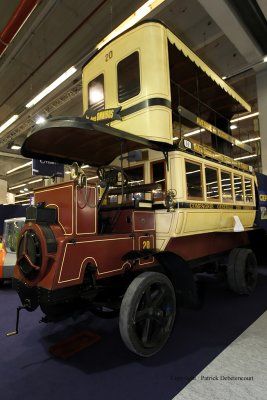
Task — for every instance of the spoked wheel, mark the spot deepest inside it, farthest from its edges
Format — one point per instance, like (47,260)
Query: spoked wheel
(147,313)
(242,271)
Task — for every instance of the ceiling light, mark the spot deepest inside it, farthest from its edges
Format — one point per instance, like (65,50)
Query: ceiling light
(18,186)
(40,120)
(15,147)
(130,21)
(35,180)
(224,77)
(20,201)
(85,166)
(8,123)
(51,87)
(233,127)
(19,167)
(195,132)
(243,158)
(245,117)
(265,59)
(251,140)
(23,194)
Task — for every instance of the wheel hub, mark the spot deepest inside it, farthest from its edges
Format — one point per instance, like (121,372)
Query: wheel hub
(29,254)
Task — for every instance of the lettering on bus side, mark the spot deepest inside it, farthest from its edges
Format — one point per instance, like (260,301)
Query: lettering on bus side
(201,205)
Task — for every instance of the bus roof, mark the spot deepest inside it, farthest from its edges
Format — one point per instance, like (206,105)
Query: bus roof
(69,139)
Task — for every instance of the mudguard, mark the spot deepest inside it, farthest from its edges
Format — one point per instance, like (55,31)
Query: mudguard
(182,278)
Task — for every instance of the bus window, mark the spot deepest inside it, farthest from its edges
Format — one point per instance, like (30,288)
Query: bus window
(248,191)
(238,188)
(135,177)
(212,186)
(96,94)
(193,180)
(227,191)
(128,71)
(158,176)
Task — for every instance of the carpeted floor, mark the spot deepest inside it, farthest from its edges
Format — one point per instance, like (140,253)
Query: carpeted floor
(107,370)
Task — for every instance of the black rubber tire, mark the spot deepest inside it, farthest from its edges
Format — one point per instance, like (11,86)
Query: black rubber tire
(242,271)
(147,313)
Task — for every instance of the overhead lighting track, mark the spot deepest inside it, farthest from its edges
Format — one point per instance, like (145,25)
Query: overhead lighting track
(29,122)
(242,117)
(251,140)
(17,186)
(51,87)
(23,194)
(244,157)
(139,14)
(9,122)
(35,181)
(19,167)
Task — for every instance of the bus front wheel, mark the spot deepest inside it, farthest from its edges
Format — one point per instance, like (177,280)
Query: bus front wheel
(147,313)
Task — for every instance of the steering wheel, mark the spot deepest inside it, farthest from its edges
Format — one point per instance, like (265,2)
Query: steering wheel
(109,176)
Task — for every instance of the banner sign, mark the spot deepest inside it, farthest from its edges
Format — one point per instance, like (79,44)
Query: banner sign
(47,168)
(107,115)
(213,129)
(204,151)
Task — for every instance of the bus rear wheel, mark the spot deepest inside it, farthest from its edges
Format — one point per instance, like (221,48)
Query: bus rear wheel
(242,271)
(147,313)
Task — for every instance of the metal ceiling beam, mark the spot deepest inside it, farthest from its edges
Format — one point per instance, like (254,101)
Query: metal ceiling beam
(3,154)
(18,45)
(253,20)
(17,20)
(228,22)
(29,121)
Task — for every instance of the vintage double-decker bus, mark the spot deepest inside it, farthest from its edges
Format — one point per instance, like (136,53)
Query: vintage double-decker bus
(165,206)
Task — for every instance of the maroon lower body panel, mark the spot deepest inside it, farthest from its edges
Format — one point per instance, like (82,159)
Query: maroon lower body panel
(197,246)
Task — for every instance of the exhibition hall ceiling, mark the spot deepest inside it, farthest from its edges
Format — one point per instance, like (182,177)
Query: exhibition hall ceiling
(59,34)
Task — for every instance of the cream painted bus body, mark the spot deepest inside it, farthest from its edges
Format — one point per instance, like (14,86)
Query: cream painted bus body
(137,115)
(149,112)
(192,215)
(152,122)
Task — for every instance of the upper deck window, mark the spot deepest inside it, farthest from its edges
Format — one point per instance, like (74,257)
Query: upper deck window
(238,186)
(96,99)
(128,77)
(193,180)
(212,186)
(227,190)
(248,191)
